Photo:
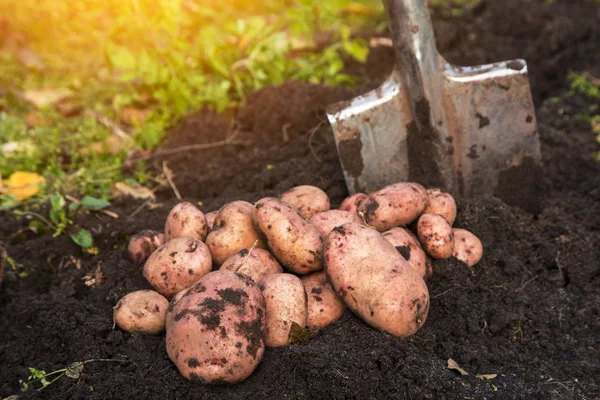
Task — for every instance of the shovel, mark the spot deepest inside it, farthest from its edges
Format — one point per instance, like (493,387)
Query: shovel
(468,130)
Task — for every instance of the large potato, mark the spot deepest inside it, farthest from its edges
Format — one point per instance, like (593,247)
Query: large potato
(285,300)
(142,311)
(325,221)
(216,328)
(352,203)
(467,247)
(186,220)
(374,281)
(324,307)
(256,263)
(435,234)
(309,200)
(143,244)
(409,247)
(177,264)
(394,205)
(441,203)
(294,241)
(232,231)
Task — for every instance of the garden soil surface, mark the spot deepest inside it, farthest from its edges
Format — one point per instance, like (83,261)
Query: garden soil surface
(529,313)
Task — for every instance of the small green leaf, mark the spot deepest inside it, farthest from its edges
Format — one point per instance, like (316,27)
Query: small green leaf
(57,202)
(83,238)
(73,207)
(94,204)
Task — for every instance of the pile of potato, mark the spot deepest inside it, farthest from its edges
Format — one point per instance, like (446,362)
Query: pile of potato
(230,283)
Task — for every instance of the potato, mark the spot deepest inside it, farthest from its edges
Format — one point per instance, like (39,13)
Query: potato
(294,241)
(309,200)
(441,203)
(257,264)
(143,311)
(186,220)
(285,300)
(394,205)
(232,231)
(435,234)
(177,264)
(353,202)
(210,219)
(324,307)
(374,281)
(216,328)
(143,244)
(325,221)
(409,247)
(467,247)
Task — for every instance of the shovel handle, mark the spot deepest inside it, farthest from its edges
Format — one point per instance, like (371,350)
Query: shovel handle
(414,42)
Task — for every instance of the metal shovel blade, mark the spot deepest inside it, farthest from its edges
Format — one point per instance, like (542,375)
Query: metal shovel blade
(464,129)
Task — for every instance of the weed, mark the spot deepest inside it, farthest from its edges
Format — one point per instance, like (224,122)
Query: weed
(60,220)
(590,87)
(43,379)
(161,58)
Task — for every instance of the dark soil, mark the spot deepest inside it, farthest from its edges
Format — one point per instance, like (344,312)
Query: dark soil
(529,313)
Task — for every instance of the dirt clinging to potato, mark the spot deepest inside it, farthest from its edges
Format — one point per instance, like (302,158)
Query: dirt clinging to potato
(527,313)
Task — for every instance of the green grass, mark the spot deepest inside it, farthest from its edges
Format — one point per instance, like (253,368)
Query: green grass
(590,87)
(164,57)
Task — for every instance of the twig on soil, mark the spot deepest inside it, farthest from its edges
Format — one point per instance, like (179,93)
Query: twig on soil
(312,133)
(284,132)
(527,283)
(140,208)
(169,175)
(230,140)
(113,127)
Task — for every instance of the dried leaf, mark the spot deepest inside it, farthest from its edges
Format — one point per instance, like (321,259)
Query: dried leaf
(133,116)
(298,334)
(74,370)
(121,189)
(94,278)
(29,59)
(486,376)
(45,97)
(22,185)
(113,144)
(454,365)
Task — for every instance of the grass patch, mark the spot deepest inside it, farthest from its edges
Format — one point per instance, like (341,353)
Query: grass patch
(145,63)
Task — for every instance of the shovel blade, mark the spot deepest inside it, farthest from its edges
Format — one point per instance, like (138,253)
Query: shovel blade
(490,115)
(487,134)
(371,136)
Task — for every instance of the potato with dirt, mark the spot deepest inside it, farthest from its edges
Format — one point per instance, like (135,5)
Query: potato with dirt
(177,264)
(467,247)
(395,205)
(186,220)
(352,203)
(285,301)
(143,244)
(307,199)
(441,203)
(216,328)
(210,219)
(435,234)
(323,305)
(254,262)
(374,281)
(233,231)
(325,221)
(143,311)
(294,241)
(409,247)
